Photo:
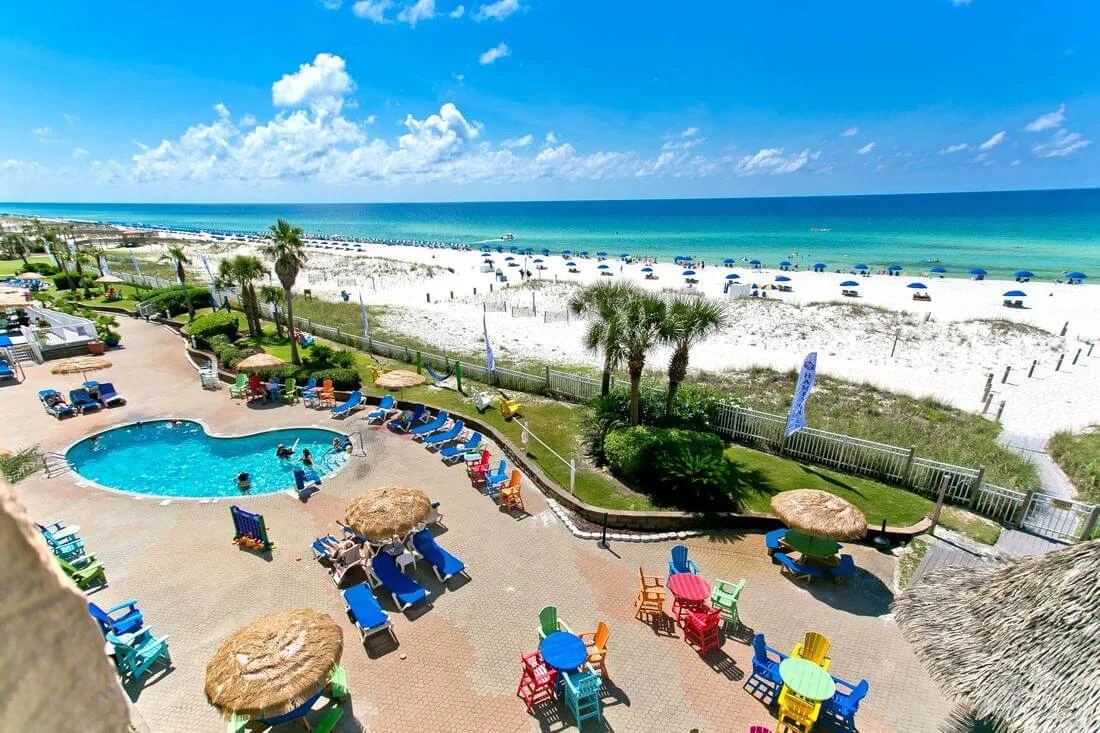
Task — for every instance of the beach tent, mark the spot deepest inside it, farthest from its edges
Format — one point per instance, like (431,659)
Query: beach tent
(849,284)
(782,279)
(917,286)
(939,270)
(819,267)
(733,276)
(785,265)
(861,267)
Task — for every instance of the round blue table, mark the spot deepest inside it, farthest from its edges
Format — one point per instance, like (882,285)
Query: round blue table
(563,651)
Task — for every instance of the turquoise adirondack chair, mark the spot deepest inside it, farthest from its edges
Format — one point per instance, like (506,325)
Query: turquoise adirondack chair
(724,596)
(582,694)
(134,655)
(549,622)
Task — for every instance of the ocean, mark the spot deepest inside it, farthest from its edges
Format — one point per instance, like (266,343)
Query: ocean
(1047,232)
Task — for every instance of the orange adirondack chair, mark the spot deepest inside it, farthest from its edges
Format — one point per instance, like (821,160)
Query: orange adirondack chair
(510,496)
(651,597)
(814,647)
(596,641)
(326,397)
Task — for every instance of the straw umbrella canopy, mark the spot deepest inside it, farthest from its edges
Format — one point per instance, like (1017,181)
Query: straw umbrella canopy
(274,664)
(109,280)
(399,378)
(1017,642)
(257,362)
(819,513)
(31,276)
(81,365)
(12,298)
(387,512)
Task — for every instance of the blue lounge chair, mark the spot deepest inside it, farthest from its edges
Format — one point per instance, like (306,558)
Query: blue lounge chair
(773,539)
(110,623)
(430,427)
(81,400)
(404,590)
(406,422)
(446,436)
(454,453)
(765,678)
(108,396)
(383,409)
(443,563)
(6,371)
(846,567)
(135,655)
(797,569)
(355,400)
(680,562)
(365,612)
(54,403)
(839,712)
(325,547)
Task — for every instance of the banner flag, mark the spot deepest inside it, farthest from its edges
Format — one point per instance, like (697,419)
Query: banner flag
(796,419)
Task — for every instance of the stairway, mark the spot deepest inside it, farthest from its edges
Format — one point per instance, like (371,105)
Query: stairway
(22,353)
(55,464)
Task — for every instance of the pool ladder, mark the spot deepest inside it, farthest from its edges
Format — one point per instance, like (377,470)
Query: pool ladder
(55,464)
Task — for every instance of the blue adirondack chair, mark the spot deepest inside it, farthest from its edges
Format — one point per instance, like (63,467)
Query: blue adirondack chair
(582,694)
(443,563)
(765,678)
(383,409)
(110,622)
(494,479)
(839,712)
(66,545)
(680,562)
(135,655)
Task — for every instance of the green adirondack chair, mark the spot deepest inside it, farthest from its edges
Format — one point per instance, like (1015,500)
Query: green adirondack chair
(290,391)
(549,622)
(329,719)
(84,570)
(338,683)
(724,596)
(237,389)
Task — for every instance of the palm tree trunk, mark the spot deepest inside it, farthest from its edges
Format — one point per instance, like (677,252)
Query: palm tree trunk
(80,275)
(182,275)
(605,379)
(290,328)
(635,395)
(68,270)
(677,370)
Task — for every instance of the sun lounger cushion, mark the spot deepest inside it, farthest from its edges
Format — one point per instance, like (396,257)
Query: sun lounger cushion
(444,562)
(364,608)
(797,569)
(773,538)
(846,567)
(404,589)
(431,427)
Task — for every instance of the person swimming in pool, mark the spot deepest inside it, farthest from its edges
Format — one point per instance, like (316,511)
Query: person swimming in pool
(307,459)
(283,452)
(244,481)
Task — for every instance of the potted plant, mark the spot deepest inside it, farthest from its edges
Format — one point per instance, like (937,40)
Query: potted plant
(106,326)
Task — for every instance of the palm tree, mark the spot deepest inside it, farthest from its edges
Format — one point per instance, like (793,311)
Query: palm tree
(288,252)
(52,243)
(643,319)
(601,304)
(690,320)
(177,255)
(273,295)
(16,245)
(242,271)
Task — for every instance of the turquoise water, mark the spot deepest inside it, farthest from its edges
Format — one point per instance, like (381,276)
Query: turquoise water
(164,459)
(1047,232)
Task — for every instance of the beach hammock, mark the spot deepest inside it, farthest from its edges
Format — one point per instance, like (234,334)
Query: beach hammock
(439,377)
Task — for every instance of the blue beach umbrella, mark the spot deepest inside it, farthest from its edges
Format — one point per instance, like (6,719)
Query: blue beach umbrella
(819,266)
(754,263)
(917,286)
(977,271)
(604,266)
(688,273)
(601,253)
(861,266)
(537,260)
(486,248)
(623,255)
(570,264)
(1076,276)
(486,255)
(545,252)
(939,270)
(509,258)
(733,276)
(1023,273)
(727,261)
(849,284)
(784,265)
(1015,294)
(513,249)
(647,269)
(566,252)
(782,279)
(500,248)
(894,268)
(584,253)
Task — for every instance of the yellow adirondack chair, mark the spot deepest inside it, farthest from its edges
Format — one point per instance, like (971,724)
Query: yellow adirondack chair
(796,713)
(814,647)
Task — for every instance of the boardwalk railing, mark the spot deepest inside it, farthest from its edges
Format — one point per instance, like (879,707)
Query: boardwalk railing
(890,463)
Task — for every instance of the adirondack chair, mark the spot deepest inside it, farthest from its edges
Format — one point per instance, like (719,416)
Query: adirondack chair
(796,713)
(510,498)
(240,387)
(64,543)
(135,656)
(549,622)
(680,562)
(839,713)
(701,629)
(814,647)
(494,479)
(724,596)
(256,389)
(309,392)
(765,679)
(111,623)
(84,571)
(582,695)
(290,391)
(326,397)
(537,680)
(651,597)
(478,469)
(596,642)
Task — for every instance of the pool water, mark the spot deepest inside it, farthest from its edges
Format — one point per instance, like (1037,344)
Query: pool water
(167,459)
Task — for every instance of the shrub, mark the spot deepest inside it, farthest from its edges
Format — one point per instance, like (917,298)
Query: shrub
(342,379)
(683,468)
(61,281)
(42,268)
(320,356)
(696,407)
(171,301)
(229,355)
(204,327)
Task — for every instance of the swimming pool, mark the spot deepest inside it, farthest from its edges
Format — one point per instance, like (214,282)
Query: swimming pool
(178,458)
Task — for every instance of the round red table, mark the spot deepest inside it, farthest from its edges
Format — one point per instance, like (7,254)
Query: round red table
(690,592)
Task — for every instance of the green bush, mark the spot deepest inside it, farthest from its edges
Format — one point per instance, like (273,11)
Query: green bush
(320,356)
(696,407)
(682,468)
(213,324)
(42,268)
(342,379)
(172,301)
(61,281)
(229,354)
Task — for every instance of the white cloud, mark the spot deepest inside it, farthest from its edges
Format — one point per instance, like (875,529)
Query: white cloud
(1061,144)
(44,134)
(79,153)
(248,120)
(371,119)
(1015,163)
(21,170)
(373,10)
(993,141)
(70,119)
(850,132)
(498,10)
(321,84)
(458,77)
(688,144)
(518,142)
(958,147)
(1048,121)
(457,12)
(418,11)
(551,137)
(331,4)
(689,132)
(498,52)
(980,157)
(866,148)
(772,160)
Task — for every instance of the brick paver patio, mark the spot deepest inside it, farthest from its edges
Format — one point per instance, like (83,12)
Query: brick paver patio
(457,663)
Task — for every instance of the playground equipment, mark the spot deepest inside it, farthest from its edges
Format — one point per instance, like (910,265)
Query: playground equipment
(249,530)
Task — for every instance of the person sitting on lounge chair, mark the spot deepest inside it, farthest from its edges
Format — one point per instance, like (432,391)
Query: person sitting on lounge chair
(283,452)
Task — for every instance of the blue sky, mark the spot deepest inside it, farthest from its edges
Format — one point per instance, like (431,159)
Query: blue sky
(415,100)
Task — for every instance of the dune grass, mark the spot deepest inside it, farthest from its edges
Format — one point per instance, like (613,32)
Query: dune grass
(1078,454)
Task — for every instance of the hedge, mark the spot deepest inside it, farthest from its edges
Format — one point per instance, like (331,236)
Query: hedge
(171,300)
(682,468)
(219,323)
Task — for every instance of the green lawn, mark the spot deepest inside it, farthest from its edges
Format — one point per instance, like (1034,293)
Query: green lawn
(16,266)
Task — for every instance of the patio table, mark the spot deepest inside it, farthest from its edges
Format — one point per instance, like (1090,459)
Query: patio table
(806,679)
(690,592)
(821,548)
(563,651)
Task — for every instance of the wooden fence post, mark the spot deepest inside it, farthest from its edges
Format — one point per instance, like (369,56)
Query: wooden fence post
(988,386)
(939,503)
(1059,364)
(1090,524)
(1005,377)
(976,487)
(547,378)
(908,465)
(1077,356)
(1021,511)
(1031,371)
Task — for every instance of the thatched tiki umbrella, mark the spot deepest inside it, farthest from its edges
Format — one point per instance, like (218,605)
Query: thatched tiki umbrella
(1016,642)
(387,512)
(399,379)
(258,362)
(109,280)
(820,514)
(275,664)
(81,365)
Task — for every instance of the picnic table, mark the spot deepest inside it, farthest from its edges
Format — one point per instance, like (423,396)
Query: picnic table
(563,651)
(806,679)
(690,592)
(818,548)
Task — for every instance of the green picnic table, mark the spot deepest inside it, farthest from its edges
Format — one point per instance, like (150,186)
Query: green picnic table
(806,679)
(810,545)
